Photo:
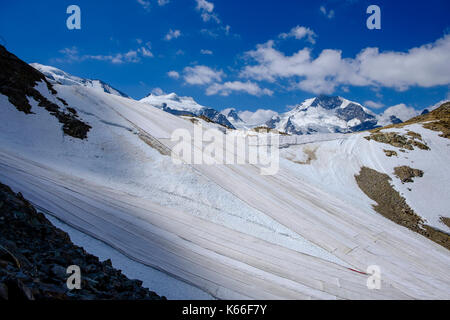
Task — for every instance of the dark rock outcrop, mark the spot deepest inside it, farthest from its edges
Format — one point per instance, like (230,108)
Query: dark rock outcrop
(353,111)
(18,81)
(233,115)
(327,102)
(211,114)
(395,120)
(34,256)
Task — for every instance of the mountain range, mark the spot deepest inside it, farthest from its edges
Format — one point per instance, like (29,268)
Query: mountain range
(321,114)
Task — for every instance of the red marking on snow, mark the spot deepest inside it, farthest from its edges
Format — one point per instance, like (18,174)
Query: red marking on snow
(358,271)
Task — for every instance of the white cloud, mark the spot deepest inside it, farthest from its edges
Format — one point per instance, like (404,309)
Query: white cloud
(205,6)
(373,105)
(206,52)
(201,75)
(317,73)
(71,54)
(329,14)
(209,33)
(424,66)
(172,34)
(145,4)
(118,58)
(227,88)
(300,32)
(158,91)
(131,56)
(173,74)
(206,9)
(260,116)
(401,111)
(145,50)
(208,16)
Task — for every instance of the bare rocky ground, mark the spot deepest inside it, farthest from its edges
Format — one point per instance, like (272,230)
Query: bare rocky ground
(390,153)
(406,174)
(34,256)
(407,141)
(393,206)
(446,221)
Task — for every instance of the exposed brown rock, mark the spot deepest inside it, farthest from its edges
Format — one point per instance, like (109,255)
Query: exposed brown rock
(263,129)
(393,206)
(446,221)
(397,140)
(390,153)
(406,174)
(311,155)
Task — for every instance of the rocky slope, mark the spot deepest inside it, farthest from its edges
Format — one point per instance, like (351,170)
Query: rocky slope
(18,82)
(34,256)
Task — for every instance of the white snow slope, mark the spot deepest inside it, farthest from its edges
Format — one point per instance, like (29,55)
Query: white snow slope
(303,233)
(55,75)
(173,101)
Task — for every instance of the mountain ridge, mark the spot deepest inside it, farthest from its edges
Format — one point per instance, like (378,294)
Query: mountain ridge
(59,76)
(178,106)
(321,114)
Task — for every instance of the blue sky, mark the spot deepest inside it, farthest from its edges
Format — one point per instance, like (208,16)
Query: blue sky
(242,53)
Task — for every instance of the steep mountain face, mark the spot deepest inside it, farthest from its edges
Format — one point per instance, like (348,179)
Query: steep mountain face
(395,120)
(176,105)
(233,117)
(55,75)
(20,83)
(324,114)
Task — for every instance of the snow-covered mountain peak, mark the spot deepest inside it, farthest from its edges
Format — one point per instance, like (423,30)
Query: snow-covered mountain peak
(324,114)
(232,115)
(327,102)
(177,105)
(173,101)
(56,75)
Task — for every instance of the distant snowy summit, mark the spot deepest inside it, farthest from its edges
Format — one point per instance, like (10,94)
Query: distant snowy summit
(187,106)
(58,76)
(324,114)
